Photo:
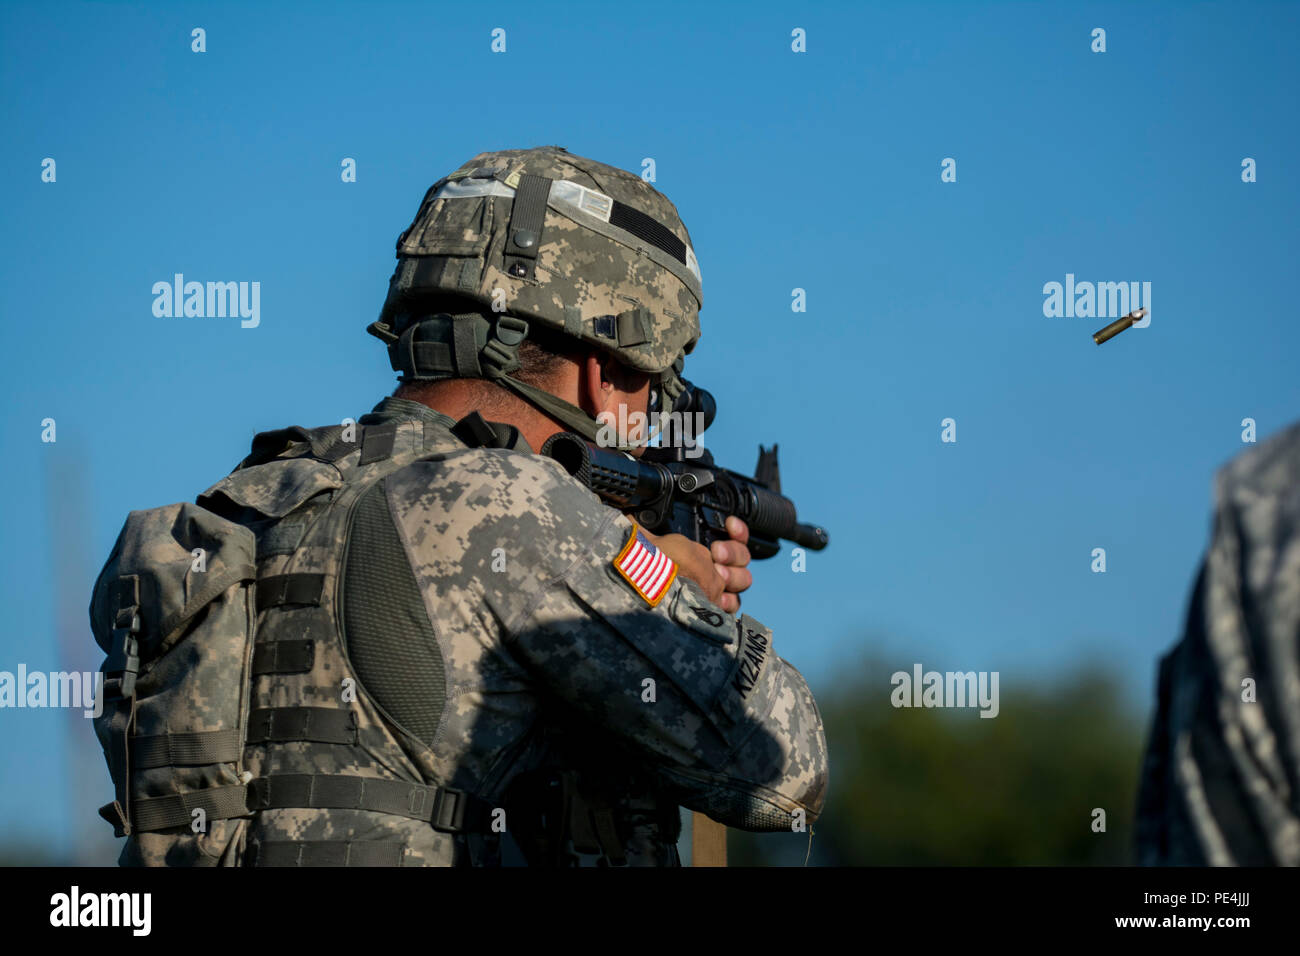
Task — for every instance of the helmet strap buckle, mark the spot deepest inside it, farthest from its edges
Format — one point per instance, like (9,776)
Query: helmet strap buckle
(501,353)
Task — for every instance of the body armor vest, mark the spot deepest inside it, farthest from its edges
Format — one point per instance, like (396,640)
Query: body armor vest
(338,778)
(312,744)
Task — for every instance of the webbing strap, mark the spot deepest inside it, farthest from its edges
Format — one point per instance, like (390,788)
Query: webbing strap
(278,589)
(328,853)
(475,432)
(217,803)
(447,810)
(339,450)
(118,812)
(562,411)
(186,750)
(527,217)
(284,657)
(326,725)
(118,694)
(464,344)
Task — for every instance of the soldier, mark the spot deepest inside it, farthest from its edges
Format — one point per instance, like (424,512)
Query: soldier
(1221,777)
(462,655)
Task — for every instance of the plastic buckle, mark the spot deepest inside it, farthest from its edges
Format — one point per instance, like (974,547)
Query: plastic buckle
(511,329)
(449,810)
(500,351)
(125,656)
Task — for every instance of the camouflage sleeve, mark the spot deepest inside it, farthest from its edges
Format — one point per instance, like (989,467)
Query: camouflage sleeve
(1219,780)
(732,727)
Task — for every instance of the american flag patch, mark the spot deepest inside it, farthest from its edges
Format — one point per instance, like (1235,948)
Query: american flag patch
(645,567)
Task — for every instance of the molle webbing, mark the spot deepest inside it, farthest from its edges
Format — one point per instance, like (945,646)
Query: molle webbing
(327,853)
(445,809)
(389,638)
(185,749)
(326,725)
(279,589)
(217,803)
(382,634)
(284,657)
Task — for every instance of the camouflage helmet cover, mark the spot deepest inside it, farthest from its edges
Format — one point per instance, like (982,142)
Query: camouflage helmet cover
(587,250)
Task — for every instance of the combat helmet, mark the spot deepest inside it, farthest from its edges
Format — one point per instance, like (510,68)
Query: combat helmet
(541,238)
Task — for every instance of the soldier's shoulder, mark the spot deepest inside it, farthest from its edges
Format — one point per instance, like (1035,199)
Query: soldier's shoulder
(505,484)
(1270,469)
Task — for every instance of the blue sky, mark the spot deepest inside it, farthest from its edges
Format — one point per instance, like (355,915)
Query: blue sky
(818,171)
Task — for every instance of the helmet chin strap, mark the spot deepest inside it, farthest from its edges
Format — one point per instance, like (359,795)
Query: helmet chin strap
(564,412)
(439,346)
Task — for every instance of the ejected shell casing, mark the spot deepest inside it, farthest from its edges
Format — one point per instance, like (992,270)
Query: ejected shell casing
(1118,326)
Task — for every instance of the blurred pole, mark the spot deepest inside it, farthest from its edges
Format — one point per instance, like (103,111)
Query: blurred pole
(708,841)
(71,542)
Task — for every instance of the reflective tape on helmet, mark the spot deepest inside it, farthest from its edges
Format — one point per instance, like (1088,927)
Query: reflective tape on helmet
(475,187)
(580,197)
(568,197)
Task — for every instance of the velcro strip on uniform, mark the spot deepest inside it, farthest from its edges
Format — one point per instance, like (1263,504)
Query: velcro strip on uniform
(284,657)
(329,853)
(282,538)
(572,321)
(185,750)
(647,228)
(377,442)
(278,589)
(326,725)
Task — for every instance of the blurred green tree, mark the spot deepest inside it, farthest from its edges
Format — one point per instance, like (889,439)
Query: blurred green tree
(915,786)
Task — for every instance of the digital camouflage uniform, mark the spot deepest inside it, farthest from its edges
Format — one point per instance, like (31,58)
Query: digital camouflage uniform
(488,635)
(1220,782)
(409,642)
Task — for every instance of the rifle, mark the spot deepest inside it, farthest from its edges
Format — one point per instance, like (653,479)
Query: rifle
(677,487)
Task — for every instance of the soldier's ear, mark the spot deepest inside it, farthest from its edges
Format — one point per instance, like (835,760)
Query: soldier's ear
(596,389)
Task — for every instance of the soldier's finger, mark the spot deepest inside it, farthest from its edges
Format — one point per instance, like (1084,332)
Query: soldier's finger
(738,579)
(738,530)
(733,553)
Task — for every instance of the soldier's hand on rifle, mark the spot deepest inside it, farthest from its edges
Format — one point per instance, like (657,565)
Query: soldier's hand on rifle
(730,559)
(720,571)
